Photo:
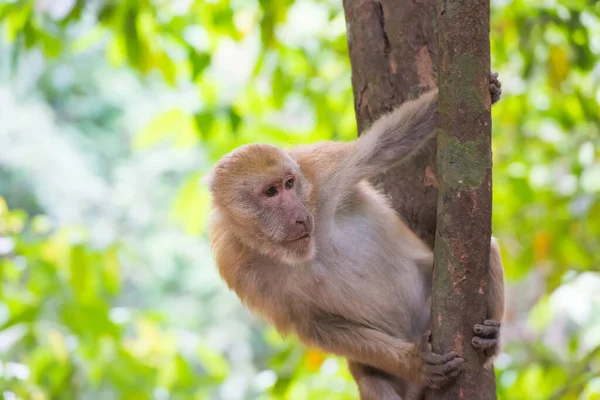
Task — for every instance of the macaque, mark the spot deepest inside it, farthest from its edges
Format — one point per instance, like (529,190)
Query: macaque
(308,245)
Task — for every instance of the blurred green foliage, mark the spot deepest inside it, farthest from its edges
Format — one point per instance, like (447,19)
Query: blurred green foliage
(129,316)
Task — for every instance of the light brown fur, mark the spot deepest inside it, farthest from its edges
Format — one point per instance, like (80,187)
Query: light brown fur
(359,285)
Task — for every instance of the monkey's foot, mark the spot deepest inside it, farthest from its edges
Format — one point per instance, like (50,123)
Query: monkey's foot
(495,87)
(486,335)
(437,370)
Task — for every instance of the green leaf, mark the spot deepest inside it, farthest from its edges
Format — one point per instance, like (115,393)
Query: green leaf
(280,88)
(133,45)
(199,62)
(214,363)
(51,45)
(111,270)
(87,40)
(168,69)
(164,126)
(16,21)
(204,122)
(190,207)
(234,119)
(90,319)
(115,51)
(24,315)
(108,11)
(80,272)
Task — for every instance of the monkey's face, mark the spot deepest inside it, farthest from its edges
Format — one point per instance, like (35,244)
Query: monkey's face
(266,196)
(282,212)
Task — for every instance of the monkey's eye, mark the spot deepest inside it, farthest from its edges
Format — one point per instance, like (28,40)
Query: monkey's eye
(271,191)
(289,183)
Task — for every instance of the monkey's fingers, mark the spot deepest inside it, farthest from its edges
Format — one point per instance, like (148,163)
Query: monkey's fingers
(495,87)
(494,79)
(496,93)
(447,368)
(437,359)
(440,375)
(483,344)
(485,331)
(492,322)
(441,381)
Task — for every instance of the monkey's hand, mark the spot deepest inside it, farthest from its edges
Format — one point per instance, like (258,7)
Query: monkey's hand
(434,370)
(495,87)
(486,339)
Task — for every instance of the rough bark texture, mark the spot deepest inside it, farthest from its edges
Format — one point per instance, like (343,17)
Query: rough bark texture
(464,162)
(393,53)
(394,56)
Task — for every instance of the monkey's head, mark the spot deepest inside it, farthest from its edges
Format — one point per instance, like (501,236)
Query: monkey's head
(260,191)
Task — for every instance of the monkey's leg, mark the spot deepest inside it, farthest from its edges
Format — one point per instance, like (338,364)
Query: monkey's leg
(373,384)
(487,335)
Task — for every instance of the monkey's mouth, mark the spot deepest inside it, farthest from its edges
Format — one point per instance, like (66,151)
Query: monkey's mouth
(306,235)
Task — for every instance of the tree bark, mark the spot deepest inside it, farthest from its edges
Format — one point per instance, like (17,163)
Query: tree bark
(464,161)
(393,53)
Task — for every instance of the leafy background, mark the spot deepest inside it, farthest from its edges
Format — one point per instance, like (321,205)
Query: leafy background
(110,113)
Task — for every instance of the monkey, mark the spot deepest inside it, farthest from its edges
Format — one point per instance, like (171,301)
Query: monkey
(307,244)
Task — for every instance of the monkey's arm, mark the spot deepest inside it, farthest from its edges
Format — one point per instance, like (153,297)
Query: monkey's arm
(390,140)
(336,167)
(395,136)
(398,134)
(369,346)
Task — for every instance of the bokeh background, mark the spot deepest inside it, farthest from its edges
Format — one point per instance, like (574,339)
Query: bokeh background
(111,112)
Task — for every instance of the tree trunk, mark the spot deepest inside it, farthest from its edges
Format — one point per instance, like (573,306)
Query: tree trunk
(464,161)
(394,56)
(393,53)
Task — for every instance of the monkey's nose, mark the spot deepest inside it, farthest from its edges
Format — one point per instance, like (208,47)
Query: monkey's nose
(306,224)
